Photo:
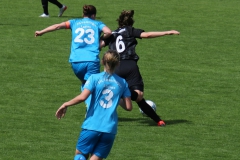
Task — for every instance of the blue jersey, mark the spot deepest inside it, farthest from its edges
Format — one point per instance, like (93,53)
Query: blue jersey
(106,92)
(85,39)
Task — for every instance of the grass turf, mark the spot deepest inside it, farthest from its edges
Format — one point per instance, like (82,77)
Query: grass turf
(193,78)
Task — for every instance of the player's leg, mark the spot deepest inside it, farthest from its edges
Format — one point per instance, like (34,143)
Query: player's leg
(45,8)
(103,147)
(61,7)
(92,68)
(129,70)
(94,157)
(56,3)
(143,105)
(86,143)
(80,69)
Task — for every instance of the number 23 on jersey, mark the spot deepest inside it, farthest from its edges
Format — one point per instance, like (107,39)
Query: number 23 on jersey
(80,36)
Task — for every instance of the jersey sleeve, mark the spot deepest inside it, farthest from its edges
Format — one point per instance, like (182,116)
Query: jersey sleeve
(126,92)
(101,25)
(67,25)
(89,85)
(137,32)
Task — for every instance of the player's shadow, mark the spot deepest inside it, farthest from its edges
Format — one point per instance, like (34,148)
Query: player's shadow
(124,119)
(150,122)
(177,121)
(167,122)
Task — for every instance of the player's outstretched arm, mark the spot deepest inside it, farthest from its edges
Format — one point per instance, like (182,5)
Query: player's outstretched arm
(78,99)
(154,34)
(51,28)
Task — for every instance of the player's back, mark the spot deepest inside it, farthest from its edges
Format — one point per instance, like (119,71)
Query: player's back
(85,39)
(106,92)
(124,41)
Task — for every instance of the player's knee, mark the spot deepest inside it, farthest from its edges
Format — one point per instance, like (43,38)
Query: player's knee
(140,97)
(136,95)
(80,156)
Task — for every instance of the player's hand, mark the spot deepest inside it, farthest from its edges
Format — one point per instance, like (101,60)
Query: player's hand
(38,33)
(61,112)
(174,32)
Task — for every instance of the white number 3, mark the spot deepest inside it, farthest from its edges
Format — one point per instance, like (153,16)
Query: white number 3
(90,35)
(108,98)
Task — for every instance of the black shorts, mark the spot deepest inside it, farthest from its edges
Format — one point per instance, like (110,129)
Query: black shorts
(128,69)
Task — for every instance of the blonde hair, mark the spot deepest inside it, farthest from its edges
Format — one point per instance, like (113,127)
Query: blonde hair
(110,60)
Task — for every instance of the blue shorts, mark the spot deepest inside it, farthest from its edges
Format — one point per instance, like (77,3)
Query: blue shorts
(94,142)
(83,70)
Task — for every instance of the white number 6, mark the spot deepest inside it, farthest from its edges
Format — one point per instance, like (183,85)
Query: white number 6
(119,44)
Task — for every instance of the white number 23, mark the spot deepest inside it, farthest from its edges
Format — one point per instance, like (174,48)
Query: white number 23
(81,32)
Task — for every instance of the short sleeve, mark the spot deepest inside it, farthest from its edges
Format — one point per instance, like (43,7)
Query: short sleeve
(126,92)
(89,84)
(67,25)
(101,25)
(137,32)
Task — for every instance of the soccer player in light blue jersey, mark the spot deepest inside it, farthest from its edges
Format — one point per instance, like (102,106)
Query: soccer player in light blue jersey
(100,125)
(86,33)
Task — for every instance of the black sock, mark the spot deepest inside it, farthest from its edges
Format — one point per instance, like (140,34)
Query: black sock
(56,3)
(45,6)
(147,109)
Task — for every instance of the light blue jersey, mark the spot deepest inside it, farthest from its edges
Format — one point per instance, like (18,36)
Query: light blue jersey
(106,92)
(85,39)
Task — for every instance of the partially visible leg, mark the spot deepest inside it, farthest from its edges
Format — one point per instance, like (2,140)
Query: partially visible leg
(146,108)
(130,72)
(56,3)
(80,156)
(92,68)
(61,7)
(45,6)
(94,157)
(103,146)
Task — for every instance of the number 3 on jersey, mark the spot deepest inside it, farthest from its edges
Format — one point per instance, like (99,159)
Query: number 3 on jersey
(107,98)
(120,46)
(80,32)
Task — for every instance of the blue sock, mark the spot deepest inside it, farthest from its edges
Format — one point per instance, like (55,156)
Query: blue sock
(79,157)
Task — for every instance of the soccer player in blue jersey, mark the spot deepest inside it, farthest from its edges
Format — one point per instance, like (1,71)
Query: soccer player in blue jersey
(100,125)
(124,40)
(86,33)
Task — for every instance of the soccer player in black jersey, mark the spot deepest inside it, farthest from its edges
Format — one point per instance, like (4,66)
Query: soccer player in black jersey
(61,7)
(123,39)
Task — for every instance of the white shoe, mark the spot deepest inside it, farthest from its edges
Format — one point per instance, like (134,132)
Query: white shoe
(62,10)
(44,15)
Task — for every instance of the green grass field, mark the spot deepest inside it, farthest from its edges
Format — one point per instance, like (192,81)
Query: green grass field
(194,79)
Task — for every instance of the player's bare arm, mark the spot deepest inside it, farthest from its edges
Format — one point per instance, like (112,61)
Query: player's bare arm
(155,34)
(51,28)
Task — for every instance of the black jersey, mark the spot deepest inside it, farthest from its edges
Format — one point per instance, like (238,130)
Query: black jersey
(123,40)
